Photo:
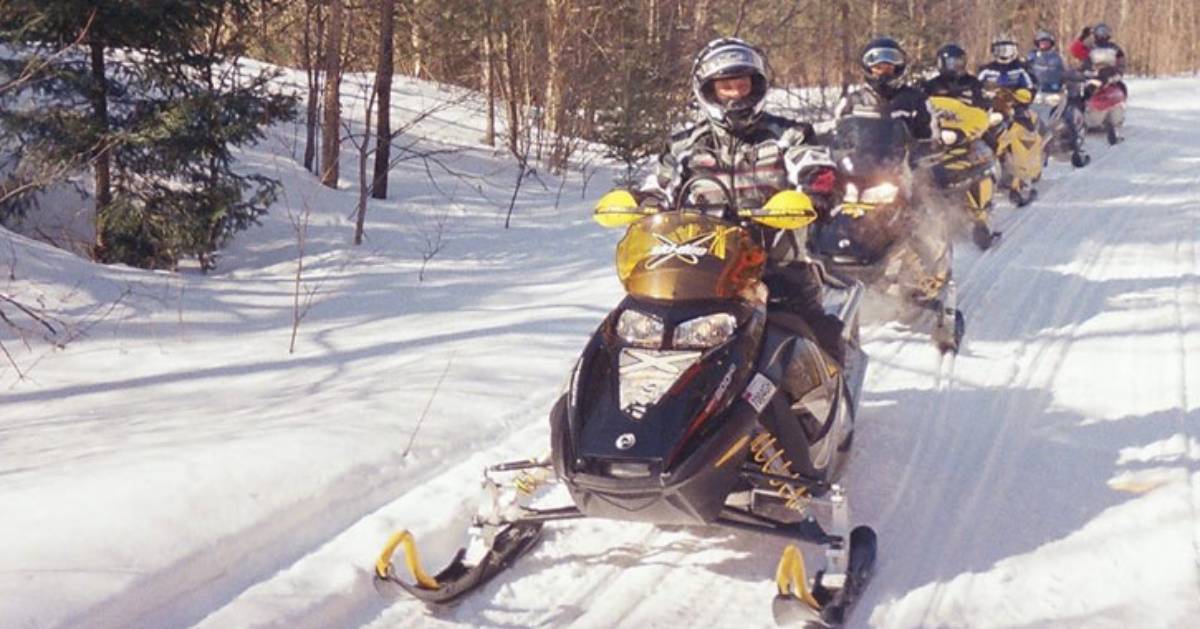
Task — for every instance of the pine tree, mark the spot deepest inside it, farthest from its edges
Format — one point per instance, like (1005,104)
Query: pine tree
(155,109)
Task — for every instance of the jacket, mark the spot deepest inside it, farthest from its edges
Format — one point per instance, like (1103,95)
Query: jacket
(1014,74)
(771,155)
(1048,69)
(906,103)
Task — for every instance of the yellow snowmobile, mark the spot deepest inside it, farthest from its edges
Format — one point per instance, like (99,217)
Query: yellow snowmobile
(1020,149)
(968,165)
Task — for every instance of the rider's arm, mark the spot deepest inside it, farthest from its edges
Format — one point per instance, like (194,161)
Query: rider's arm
(660,186)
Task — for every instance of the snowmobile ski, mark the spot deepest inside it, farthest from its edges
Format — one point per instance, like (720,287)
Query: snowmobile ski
(459,577)
(828,600)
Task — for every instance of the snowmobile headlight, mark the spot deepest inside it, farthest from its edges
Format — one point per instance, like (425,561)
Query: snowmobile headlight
(883,193)
(705,332)
(1053,99)
(640,329)
(949,137)
(851,193)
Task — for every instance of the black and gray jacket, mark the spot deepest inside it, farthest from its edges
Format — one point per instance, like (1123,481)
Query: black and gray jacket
(906,103)
(773,154)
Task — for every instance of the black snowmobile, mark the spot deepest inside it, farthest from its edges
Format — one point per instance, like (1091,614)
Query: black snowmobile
(880,235)
(691,405)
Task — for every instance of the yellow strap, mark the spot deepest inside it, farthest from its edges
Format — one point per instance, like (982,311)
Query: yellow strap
(791,579)
(384,563)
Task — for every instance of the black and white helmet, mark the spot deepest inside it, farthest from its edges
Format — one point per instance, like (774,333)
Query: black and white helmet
(726,58)
(1005,48)
(1102,33)
(1044,35)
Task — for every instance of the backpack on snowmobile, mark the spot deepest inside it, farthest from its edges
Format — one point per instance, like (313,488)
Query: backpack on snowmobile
(691,405)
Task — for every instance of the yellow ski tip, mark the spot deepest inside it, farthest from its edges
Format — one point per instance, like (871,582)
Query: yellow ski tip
(791,578)
(383,565)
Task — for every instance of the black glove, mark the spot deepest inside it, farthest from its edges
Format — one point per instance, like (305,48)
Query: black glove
(1087,30)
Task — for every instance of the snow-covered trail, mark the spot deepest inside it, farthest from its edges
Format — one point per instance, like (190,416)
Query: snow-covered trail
(176,467)
(1047,476)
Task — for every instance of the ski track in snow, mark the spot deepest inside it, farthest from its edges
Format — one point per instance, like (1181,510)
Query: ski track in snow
(987,475)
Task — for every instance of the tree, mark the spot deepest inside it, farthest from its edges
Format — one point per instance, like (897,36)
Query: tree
(331,144)
(154,109)
(383,91)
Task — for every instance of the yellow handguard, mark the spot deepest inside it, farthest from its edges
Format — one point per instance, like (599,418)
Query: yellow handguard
(1023,96)
(792,579)
(788,209)
(384,564)
(618,208)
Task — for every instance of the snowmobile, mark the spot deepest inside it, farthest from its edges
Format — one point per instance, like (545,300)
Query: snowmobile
(691,404)
(967,167)
(1105,95)
(1020,149)
(879,235)
(1063,124)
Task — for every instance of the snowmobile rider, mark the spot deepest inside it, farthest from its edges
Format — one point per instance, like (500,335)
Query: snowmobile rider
(883,63)
(1046,64)
(1053,75)
(953,80)
(1093,38)
(1006,70)
(755,154)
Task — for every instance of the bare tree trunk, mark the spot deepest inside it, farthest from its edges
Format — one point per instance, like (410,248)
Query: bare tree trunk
(417,40)
(512,94)
(101,162)
(364,186)
(554,104)
(383,85)
(330,131)
(489,81)
(312,72)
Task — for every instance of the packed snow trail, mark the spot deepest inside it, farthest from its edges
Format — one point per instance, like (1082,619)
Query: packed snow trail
(1045,477)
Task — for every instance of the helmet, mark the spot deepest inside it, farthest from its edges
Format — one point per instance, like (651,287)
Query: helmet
(951,60)
(879,51)
(1005,49)
(1043,36)
(726,58)
(1102,33)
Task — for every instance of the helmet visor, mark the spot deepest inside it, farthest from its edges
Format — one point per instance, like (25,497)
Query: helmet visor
(876,56)
(729,61)
(1004,50)
(953,65)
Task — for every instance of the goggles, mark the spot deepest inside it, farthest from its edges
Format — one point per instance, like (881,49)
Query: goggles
(876,56)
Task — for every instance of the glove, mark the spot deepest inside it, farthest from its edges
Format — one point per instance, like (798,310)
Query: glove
(1087,30)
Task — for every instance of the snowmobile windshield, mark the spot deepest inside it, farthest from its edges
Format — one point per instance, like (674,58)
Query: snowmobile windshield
(684,255)
(864,146)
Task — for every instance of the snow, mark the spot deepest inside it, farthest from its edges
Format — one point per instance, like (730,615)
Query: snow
(173,465)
